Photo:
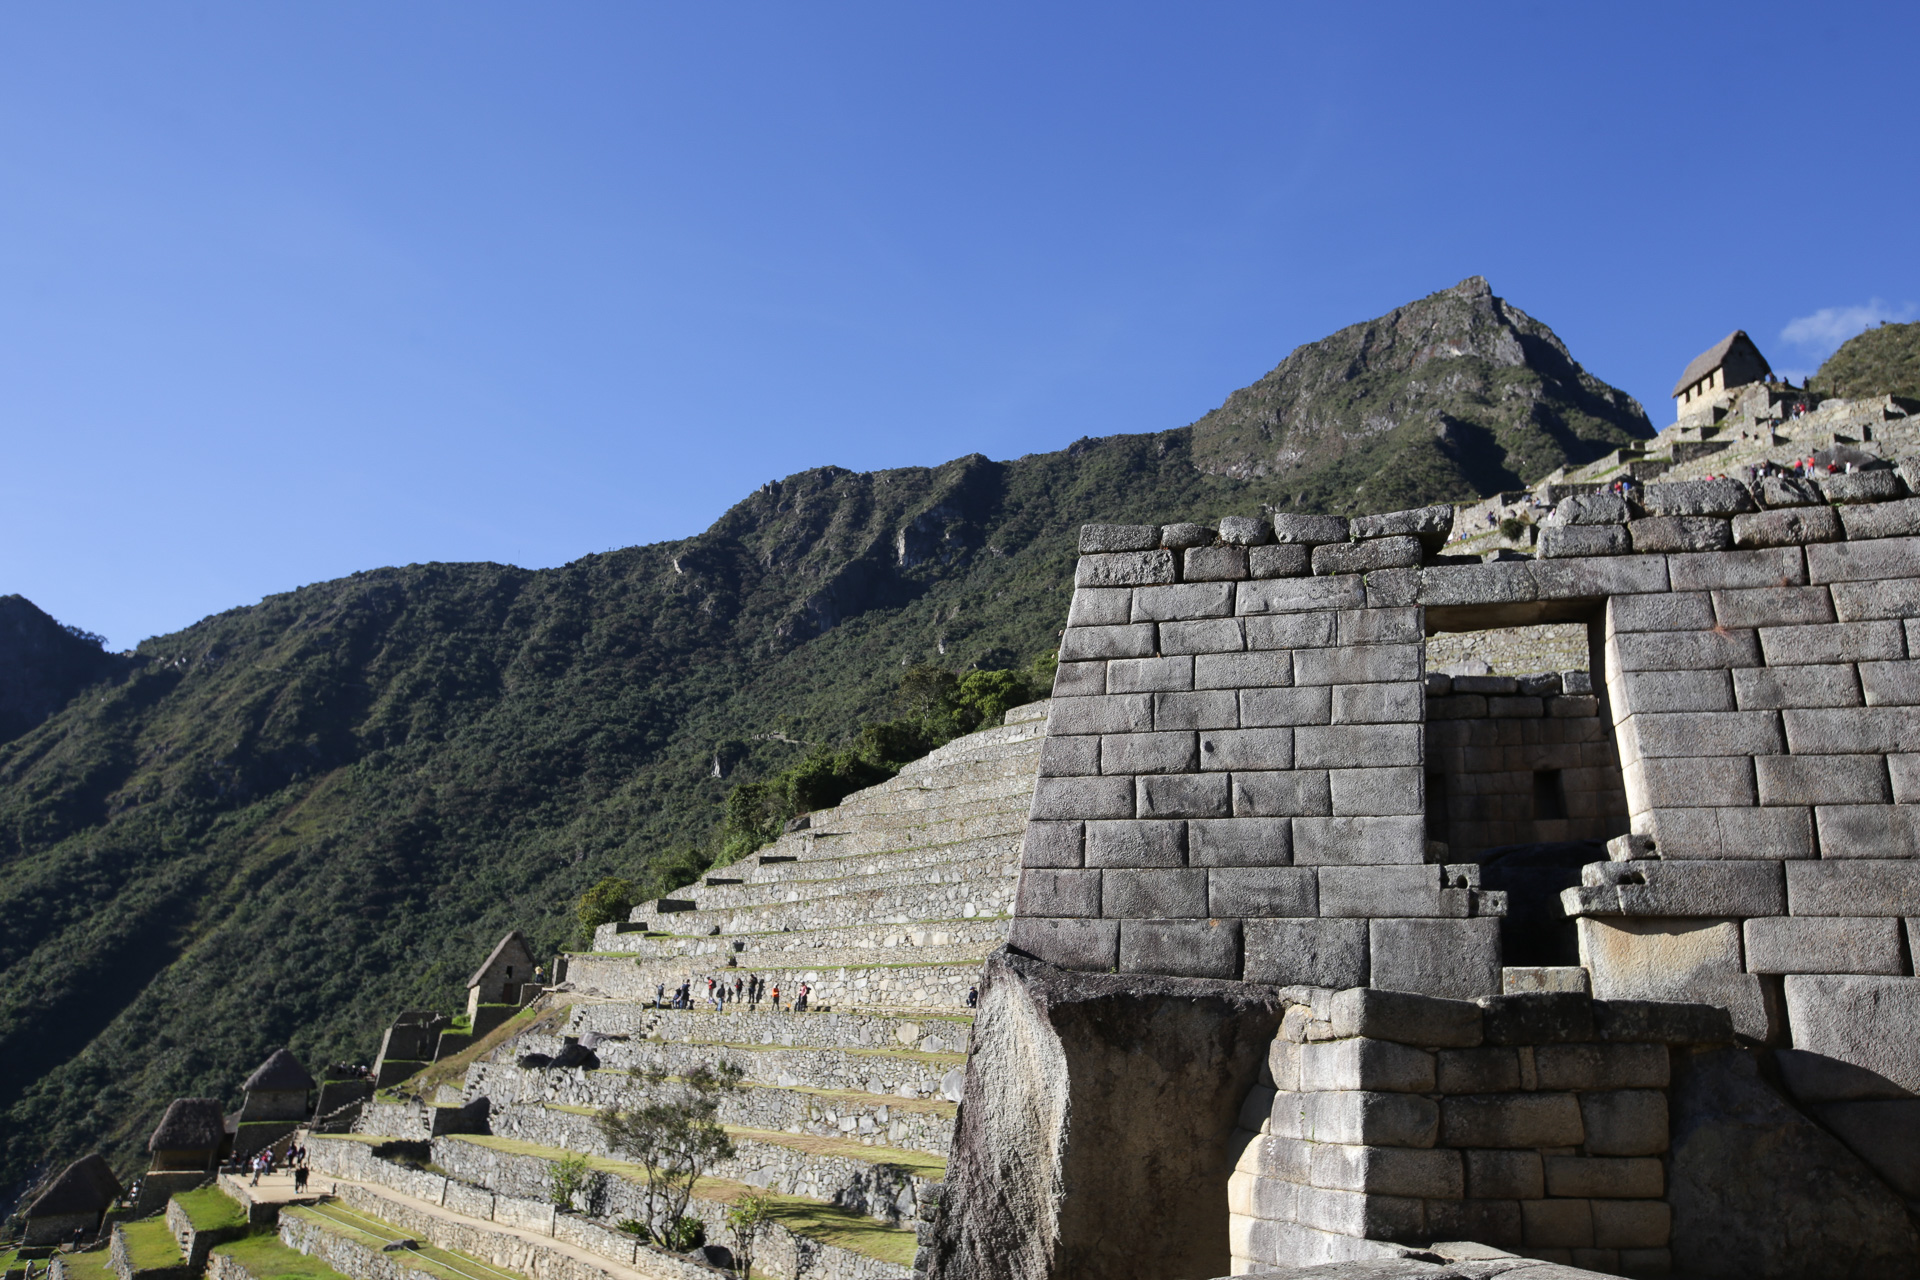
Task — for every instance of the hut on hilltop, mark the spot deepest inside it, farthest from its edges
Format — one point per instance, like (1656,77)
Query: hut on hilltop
(499,979)
(76,1201)
(1731,362)
(279,1089)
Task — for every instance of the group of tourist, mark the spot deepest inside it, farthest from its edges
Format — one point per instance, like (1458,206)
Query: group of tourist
(721,995)
(266,1161)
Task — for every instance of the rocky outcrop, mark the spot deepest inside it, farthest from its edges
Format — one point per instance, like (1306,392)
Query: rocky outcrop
(1094,1137)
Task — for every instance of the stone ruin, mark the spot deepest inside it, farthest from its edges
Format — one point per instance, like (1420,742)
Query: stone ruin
(1268,1004)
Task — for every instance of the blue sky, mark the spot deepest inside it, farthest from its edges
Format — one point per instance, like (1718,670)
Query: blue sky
(292,290)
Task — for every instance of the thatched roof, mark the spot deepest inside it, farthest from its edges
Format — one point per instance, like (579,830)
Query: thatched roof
(280,1073)
(514,940)
(86,1186)
(1715,356)
(191,1124)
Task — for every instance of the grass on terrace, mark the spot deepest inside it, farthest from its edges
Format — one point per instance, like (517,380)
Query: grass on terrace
(265,1258)
(211,1209)
(150,1244)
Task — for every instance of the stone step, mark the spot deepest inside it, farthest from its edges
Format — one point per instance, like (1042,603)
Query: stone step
(934,940)
(1011,763)
(960,820)
(898,905)
(917,1124)
(860,839)
(826,867)
(1012,790)
(903,1073)
(937,1033)
(885,986)
(881,1182)
(728,897)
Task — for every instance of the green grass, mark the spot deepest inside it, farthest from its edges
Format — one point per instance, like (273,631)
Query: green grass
(265,1258)
(211,1209)
(453,1069)
(150,1245)
(445,1264)
(92,1264)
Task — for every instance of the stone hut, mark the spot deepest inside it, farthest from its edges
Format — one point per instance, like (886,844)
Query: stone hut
(1729,363)
(499,979)
(76,1201)
(191,1136)
(278,1090)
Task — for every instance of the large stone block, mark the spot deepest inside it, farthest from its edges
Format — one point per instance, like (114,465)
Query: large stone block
(1584,540)
(1362,557)
(1707,733)
(1262,892)
(1890,684)
(1400,702)
(1405,1018)
(1664,783)
(1361,1063)
(1070,757)
(1507,1120)
(1245,531)
(1674,691)
(1538,1018)
(1686,650)
(1363,1118)
(1882,520)
(1761,688)
(1697,498)
(1184,602)
(1306,952)
(1247,749)
(1832,642)
(1180,537)
(1693,961)
(1719,570)
(1814,1077)
(1311,630)
(1457,959)
(1212,709)
(1297,595)
(1681,533)
(1310,530)
(1148,753)
(1149,675)
(1158,893)
(1863,887)
(1601,1066)
(1125,569)
(1181,948)
(1097,539)
(1695,888)
(1869,830)
(1793,526)
(1625,1122)
(1721,833)
(1661,611)
(1080,679)
(1879,485)
(1877,598)
(1284,793)
(1494,1174)
(1485,1070)
(1353,842)
(1852,1019)
(1137,843)
(1388,1171)
(1214,564)
(1377,793)
(1086,643)
(1588,508)
(1070,799)
(1239,842)
(1390,890)
(1058,893)
(1360,664)
(1350,746)
(1599,576)
(1360,1217)
(1606,1177)
(1635,1228)
(1502,582)
(1431,524)
(1863,561)
(1822,779)
(1273,669)
(1773,607)
(1788,491)
(1905,772)
(1052,844)
(1089,945)
(1193,795)
(1285,561)
(1101,607)
(1379,626)
(1661,1022)
(1823,944)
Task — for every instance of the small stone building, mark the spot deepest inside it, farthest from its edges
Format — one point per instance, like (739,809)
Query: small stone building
(191,1136)
(1729,363)
(499,979)
(278,1090)
(76,1201)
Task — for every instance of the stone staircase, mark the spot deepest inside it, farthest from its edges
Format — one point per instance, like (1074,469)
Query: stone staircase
(885,906)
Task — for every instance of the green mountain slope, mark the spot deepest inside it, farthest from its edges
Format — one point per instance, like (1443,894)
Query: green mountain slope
(1883,361)
(288,821)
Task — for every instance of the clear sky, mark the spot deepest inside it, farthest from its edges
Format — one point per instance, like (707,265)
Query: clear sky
(289,290)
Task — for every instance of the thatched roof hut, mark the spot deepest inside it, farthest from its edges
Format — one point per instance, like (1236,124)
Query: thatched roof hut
(280,1073)
(87,1186)
(190,1125)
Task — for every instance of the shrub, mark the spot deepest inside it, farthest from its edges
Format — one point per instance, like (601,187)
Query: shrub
(610,900)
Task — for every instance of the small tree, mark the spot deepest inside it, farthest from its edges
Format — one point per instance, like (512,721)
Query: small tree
(746,1218)
(674,1138)
(572,1175)
(606,902)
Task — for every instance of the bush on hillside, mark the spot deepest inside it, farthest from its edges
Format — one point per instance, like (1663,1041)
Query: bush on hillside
(612,899)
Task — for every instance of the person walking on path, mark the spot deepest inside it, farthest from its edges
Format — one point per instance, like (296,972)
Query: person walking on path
(776,997)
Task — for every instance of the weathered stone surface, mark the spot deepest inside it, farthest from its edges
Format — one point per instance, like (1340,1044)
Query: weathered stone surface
(1192,795)
(1735,1145)
(1589,508)
(1372,1119)
(1052,844)
(1605,1177)
(1178,537)
(1140,843)
(1773,607)
(1310,530)
(1697,498)
(1830,944)
(1868,831)
(1388,1171)
(1675,960)
(1263,670)
(1361,557)
(1814,1077)
(1183,602)
(1796,686)
(1406,1018)
(1287,560)
(1262,891)
(1884,1134)
(1540,1018)
(1852,1020)
(1730,833)
(1070,757)
(1058,893)
(1789,491)
(1149,753)
(1511,1120)
(1067,799)
(1124,1089)
(1455,959)
(1308,952)
(1214,564)
(1125,569)
(1430,524)
(1282,793)
(1625,1122)
(1245,531)
(1661,1022)
(1246,749)
(1098,538)
(1100,607)
(1083,643)
(1863,561)
(1884,598)
(1601,1066)
(1793,526)
(1239,842)
(1295,595)
(1183,948)
(1584,540)
(1361,1063)
(1882,520)
(1681,533)
(1780,567)
(1854,887)
(1879,485)
(1091,945)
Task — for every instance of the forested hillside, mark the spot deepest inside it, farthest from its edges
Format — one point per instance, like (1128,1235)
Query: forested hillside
(288,821)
